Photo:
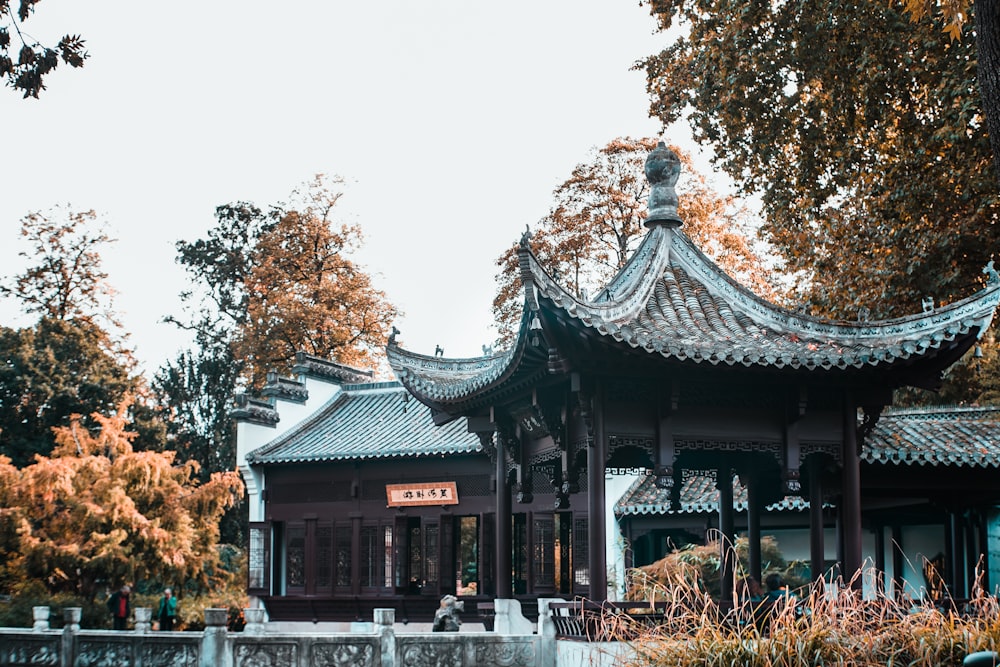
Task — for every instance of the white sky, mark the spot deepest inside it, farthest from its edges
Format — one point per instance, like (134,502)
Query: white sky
(452,122)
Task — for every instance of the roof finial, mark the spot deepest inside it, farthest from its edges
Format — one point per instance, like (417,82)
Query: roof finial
(662,169)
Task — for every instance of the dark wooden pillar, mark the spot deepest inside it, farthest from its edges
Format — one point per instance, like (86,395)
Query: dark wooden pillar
(504,545)
(724,482)
(971,553)
(754,509)
(597,551)
(880,560)
(817,547)
(851,500)
(954,556)
(982,523)
(356,552)
(898,582)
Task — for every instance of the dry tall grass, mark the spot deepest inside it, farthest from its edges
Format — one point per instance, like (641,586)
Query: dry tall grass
(825,625)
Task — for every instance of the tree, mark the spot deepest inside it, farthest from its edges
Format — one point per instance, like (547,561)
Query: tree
(67,279)
(306,294)
(51,371)
(597,222)
(268,283)
(98,513)
(280,281)
(34,61)
(987,28)
(862,133)
(66,363)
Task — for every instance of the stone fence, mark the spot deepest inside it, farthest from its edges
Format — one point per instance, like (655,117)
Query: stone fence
(514,643)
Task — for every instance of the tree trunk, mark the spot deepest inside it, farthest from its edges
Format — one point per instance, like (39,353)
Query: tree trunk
(987,15)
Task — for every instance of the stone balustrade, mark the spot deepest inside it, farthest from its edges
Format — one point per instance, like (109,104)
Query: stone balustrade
(217,647)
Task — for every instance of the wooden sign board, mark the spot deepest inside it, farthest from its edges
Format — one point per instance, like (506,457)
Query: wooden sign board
(421,493)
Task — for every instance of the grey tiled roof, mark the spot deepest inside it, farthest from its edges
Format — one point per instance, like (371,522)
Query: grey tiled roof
(368,422)
(962,436)
(698,495)
(670,300)
(950,436)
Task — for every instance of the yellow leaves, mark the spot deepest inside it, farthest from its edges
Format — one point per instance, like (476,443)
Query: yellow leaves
(953,13)
(98,509)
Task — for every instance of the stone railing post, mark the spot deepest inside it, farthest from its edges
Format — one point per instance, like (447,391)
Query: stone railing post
(384,621)
(71,626)
(214,647)
(254,621)
(547,632)
(41,617)
(143,620)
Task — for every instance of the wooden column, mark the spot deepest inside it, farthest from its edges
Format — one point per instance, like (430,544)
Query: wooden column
(597,550)
(953,556)
(880,560)
(971,553)
(851,500)
(724,482)
(982,523)
(817,547)
(754,510)
(504,544)
(897,562)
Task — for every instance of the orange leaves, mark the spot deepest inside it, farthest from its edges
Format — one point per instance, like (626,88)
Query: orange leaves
(99,511)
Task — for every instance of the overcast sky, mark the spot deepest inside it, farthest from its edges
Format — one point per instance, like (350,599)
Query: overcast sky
(451,121)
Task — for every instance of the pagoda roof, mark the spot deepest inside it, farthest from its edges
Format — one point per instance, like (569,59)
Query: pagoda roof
(370,421)
(955,436)
(966,437)
(698,496)
(672,302)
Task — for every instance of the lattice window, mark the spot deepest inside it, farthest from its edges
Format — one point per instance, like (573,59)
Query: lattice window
(324,557)
(581,553)
(371,557)
(295,556)
(543,552)
(432,557)
(342,549)
(258,557)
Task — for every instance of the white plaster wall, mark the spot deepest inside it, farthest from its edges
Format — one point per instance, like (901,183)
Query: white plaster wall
(615,487)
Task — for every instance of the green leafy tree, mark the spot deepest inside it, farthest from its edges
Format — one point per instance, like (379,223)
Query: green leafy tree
(863,134)
(24,62)
(66,363)
(267,283)
(597,221)
(66,279)
(987,30)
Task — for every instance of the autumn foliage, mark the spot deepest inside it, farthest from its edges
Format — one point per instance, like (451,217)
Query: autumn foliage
(597,221)
(96,513)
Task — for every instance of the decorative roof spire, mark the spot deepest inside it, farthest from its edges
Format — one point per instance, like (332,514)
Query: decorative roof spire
(662,169)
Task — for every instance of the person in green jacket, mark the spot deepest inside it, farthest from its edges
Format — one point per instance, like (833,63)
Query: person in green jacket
(167,611)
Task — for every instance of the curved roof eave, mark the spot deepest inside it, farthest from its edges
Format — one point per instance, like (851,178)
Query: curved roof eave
(694,312)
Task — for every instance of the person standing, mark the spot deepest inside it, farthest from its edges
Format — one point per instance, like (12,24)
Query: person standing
(167,611)
(119,606)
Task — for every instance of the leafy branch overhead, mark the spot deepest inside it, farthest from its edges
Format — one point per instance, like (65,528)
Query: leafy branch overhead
(862,132)
(25,62)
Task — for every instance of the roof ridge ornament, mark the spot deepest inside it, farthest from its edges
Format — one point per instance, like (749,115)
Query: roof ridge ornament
(663,167)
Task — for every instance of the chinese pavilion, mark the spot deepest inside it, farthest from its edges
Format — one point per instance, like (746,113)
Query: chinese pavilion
(675,368)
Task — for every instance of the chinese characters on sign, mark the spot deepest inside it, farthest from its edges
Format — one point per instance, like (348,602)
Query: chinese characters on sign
(421,493)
